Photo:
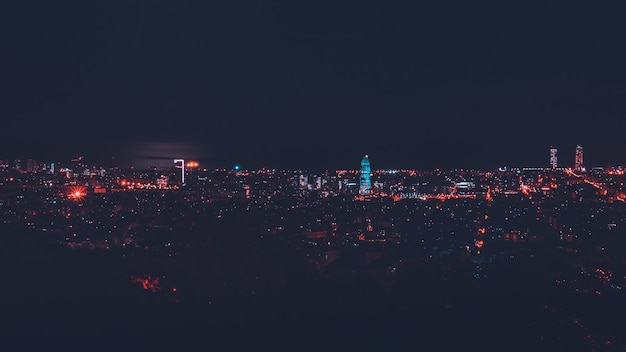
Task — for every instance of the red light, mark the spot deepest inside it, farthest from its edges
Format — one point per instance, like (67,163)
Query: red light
(147,283)
(77,193)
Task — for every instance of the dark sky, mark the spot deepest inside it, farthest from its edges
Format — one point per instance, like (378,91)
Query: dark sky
(314,84)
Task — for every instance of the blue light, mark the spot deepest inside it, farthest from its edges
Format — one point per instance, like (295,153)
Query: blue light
(236,167)
(365,181)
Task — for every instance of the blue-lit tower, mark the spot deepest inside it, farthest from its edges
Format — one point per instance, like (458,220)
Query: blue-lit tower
(365,181)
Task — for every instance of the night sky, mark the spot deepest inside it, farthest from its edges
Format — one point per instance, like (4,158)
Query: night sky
(314,84)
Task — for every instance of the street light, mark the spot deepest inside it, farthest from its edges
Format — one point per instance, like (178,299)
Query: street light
(182,166)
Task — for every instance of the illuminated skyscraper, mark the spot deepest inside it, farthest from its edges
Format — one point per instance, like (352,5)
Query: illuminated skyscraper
(365,181)
(578,164)
(553,163)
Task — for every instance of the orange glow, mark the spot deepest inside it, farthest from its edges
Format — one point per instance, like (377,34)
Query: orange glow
(481,230)
(525,189)
(191,164)
(147,283)
(479,244)
(77,193)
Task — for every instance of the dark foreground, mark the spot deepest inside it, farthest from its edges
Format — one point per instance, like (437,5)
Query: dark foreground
(53,297)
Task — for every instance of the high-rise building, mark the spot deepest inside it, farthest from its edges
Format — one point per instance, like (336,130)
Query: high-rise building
(553,160)
(31,165)
(365,181)
(578,162)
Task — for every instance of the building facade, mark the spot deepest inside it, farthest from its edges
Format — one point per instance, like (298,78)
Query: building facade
(553,158)
(578,162)
(365,180)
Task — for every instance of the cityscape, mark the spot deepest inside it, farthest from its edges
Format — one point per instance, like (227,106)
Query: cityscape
(280,175)
(533,256)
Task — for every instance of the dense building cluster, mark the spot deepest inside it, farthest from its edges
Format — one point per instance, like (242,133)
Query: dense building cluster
(415,237)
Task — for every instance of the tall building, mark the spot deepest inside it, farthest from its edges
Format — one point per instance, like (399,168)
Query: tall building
(31,165)
(553,160)
(365,181)
(578,162)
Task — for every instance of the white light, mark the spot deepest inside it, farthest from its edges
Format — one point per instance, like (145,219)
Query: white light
(182,166)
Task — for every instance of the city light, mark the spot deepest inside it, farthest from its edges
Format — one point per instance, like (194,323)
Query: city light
(77,193)
(198,173)
(386,223)
(191,164)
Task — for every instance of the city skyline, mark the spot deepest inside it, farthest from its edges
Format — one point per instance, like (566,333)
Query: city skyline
(358,175)
(267,83)
(163,156)
(532,255)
